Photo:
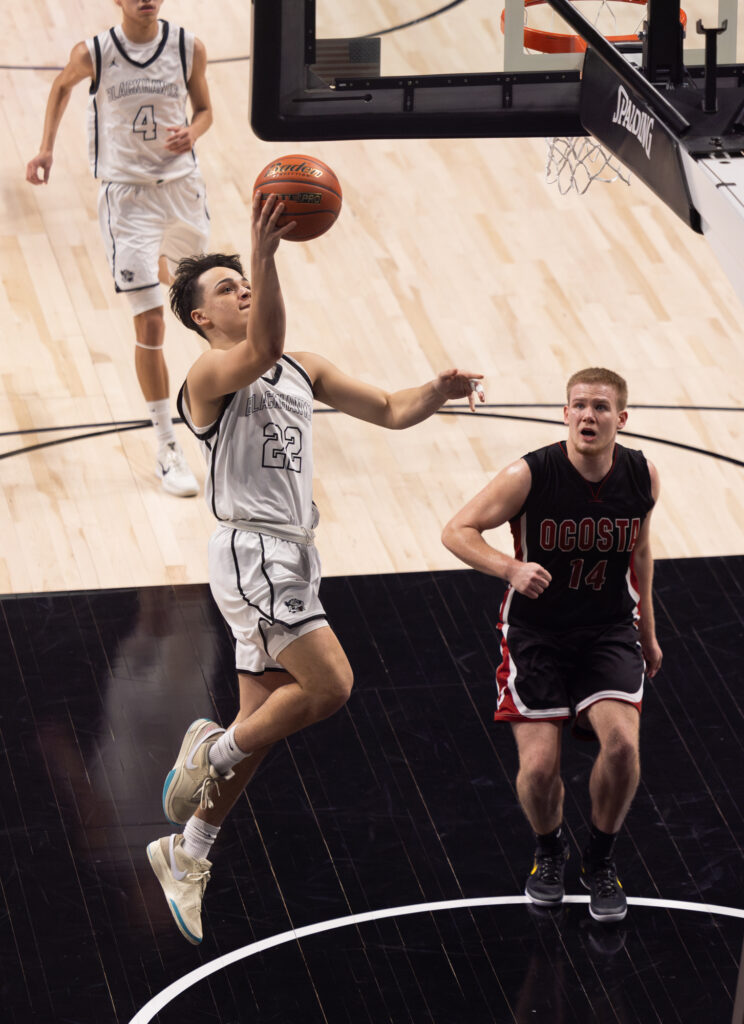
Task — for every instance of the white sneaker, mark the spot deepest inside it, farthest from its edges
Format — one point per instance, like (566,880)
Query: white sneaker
(173,470)
(183,880)
(189,783)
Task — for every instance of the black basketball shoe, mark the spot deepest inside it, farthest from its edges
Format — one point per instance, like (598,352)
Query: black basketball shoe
(545,880)
(607,900)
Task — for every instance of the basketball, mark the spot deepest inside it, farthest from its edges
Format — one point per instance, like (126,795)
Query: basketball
(309,189)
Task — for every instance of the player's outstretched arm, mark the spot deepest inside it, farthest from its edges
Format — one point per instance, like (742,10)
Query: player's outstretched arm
(643,566)
(498,502)
(182,137)
(396,410)
(79,67)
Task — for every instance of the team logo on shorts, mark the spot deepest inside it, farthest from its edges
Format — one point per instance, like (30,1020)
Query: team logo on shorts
(295,605)
(126,275)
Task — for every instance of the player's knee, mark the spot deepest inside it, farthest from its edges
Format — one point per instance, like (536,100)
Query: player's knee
(150,327)
(539,774)
(335,691)
(620,748)
(341,685)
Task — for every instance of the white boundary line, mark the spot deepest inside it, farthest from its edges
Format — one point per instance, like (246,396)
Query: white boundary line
(158,1002)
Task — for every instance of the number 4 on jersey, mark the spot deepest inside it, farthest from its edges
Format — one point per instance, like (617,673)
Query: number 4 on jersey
(144,123)
(595,578)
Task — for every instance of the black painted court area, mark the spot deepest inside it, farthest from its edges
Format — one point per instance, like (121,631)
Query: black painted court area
(405,797)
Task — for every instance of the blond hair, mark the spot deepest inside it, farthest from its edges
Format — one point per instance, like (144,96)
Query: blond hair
(598,375)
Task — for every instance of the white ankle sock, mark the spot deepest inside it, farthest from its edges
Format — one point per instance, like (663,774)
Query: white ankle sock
(198,837)
(226,753)
(159,413)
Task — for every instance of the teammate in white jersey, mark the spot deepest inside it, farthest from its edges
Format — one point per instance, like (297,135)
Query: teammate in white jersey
(152,201)
(250,403)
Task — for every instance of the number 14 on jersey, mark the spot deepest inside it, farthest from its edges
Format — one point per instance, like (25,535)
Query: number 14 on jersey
(595,577)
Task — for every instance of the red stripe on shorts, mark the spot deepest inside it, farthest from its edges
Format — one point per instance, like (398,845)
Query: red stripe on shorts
(505,708)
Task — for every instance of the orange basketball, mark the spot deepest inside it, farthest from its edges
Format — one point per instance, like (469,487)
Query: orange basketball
(309,189)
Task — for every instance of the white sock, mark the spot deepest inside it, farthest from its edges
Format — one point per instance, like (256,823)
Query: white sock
(225,753)
(159,413)
(198,837)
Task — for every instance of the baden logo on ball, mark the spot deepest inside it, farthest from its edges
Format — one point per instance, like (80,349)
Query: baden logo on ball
(309,189)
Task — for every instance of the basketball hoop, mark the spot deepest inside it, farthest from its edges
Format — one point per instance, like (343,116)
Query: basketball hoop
(573,163)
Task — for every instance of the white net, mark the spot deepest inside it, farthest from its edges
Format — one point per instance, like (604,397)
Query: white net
(574,163)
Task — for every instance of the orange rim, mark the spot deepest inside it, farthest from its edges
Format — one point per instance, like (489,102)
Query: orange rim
(565,42)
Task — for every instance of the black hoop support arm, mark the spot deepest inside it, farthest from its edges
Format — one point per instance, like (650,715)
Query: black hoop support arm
(627,74)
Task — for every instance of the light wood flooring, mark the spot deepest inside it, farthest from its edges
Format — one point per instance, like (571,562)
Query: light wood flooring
(449,252)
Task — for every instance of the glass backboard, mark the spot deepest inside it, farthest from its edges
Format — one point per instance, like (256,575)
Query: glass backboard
(424,37)
(325,69)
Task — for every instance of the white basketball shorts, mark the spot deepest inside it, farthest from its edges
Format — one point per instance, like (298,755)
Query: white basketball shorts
(267,591)
(139,223)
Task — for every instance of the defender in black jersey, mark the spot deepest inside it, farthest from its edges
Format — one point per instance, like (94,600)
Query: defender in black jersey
(250,403)
(577,622)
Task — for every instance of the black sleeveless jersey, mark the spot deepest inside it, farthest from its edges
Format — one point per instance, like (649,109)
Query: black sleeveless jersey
(583,533)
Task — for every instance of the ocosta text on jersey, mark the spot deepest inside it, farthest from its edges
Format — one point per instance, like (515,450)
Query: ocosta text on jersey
(602,534)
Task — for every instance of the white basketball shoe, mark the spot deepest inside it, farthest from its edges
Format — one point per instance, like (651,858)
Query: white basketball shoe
(184,880)
(173,470)
(192,779)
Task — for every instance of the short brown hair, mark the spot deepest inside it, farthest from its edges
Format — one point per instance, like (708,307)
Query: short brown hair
(598,375)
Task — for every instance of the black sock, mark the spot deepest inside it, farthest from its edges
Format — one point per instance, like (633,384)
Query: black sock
(551,842)
(601,845)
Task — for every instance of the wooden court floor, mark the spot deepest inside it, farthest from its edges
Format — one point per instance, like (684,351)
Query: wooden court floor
(446,253)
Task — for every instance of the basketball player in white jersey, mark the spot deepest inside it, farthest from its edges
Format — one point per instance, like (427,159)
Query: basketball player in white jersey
(152,201)
(250,403)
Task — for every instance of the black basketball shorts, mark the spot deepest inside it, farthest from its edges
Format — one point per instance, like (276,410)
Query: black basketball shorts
(554,676)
